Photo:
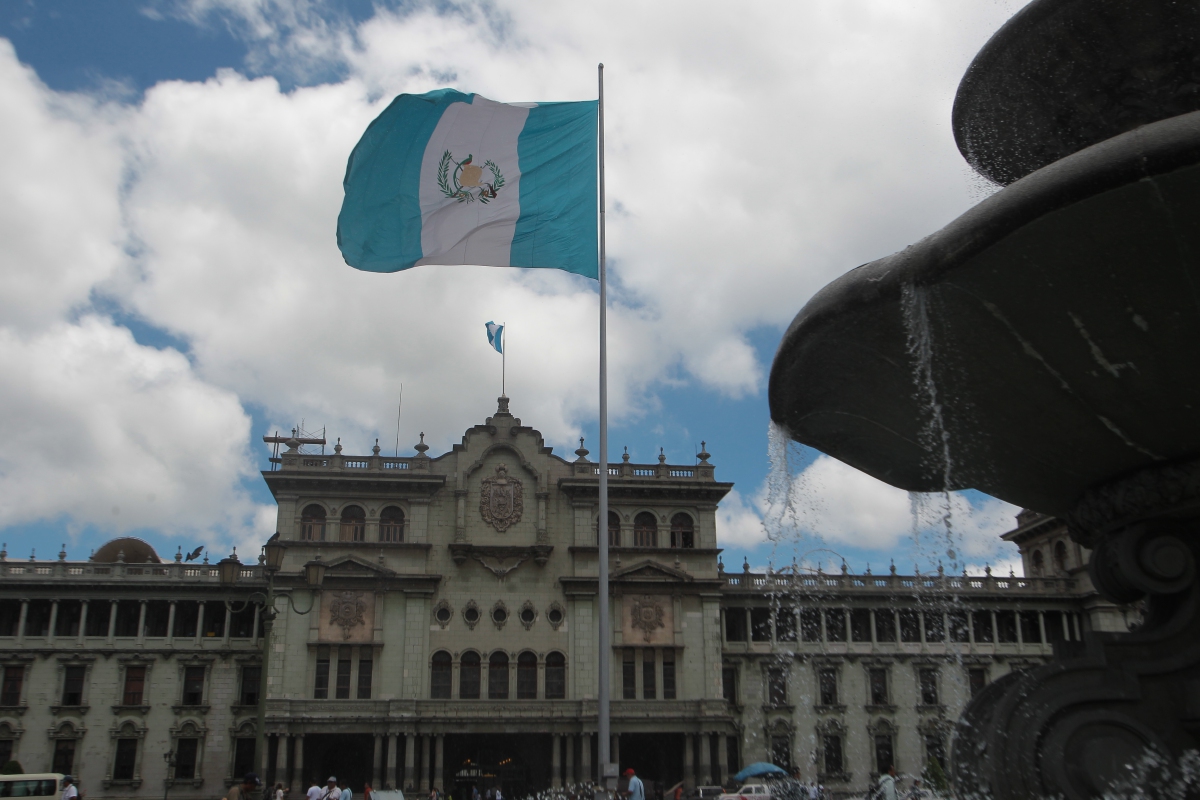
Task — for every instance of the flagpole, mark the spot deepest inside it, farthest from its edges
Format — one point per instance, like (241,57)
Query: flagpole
(603,751)
(503,356)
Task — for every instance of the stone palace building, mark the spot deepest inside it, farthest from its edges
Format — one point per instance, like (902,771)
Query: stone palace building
(452,641)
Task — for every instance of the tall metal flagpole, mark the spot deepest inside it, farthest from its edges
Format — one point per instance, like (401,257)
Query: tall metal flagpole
(503,356)
(602,746)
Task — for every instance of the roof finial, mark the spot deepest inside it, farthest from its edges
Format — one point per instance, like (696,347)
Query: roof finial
(582,452)
(625,455)
(703,454)
(662,457)
(62,554)
(179,554)
(337,448)
(374,450)
(892,565)
(421,447)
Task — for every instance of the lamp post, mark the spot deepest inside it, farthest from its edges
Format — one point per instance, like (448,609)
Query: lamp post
(169,757)
(229,570)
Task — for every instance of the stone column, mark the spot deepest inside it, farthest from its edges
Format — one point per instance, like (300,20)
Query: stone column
(585,758)
(569,740)
(393,747)
(377,769)
(426,762)
(228,625)
(199,623)
(614,751)
(54,620)
(171,622)
(555,763)
(83,607)
(705,761)
(1041,625)
(112,621)
(722,758)
(266,758)
(253,631)
(689,761)
(438,765)
(410,760)
(281,760)
(21,621)
(298,770)
(141,630)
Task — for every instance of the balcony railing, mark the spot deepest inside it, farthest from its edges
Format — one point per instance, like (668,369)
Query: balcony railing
(34,571)
(816,582)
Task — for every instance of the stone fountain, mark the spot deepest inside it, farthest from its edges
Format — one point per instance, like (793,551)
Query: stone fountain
(1045,348)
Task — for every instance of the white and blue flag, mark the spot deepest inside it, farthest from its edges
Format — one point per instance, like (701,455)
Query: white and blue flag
(495,336)
(453,178)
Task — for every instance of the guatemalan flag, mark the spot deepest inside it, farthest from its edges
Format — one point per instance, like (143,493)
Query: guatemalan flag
(453,178)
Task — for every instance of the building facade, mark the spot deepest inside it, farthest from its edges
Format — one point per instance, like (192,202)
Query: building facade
(453,640)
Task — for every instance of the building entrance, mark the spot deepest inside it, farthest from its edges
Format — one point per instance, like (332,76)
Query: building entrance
(347,756)
(517,764)
(657,758)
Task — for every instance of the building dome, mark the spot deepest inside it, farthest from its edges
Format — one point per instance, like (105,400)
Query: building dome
(137,551)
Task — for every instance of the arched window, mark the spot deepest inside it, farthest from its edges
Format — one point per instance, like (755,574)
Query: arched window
(1060,556)
(391,525)
(527,676)
(683,532)
(1039,565)
(354,524)
(614,529)
(645,530)
(498,676)
(312,523)
(468,676)
(556,677)
(439,679)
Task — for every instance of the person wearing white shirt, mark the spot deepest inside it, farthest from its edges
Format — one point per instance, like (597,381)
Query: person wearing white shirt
(69,792)
(315,791)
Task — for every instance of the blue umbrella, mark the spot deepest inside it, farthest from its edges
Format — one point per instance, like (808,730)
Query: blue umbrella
(758,769)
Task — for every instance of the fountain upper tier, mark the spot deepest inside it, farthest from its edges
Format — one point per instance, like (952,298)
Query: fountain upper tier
(1062,313)
(1065,74)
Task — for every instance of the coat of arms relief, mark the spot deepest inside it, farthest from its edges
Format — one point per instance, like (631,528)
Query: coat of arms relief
(346,610)
(647,616)
(500,500)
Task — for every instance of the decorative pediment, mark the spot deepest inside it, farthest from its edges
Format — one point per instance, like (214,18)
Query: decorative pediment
(500,560)
(351,566)
(650,571)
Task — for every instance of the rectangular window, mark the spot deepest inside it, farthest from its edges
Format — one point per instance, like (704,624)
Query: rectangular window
(810,624)
(73,687)
(935,629)
(1055,629)
(978,679)
(251,683)
(6,749)
(1031,629)
(241,624)
(158,614)
(910,626)
(668,674)
(125,760)
(1006,627)
(214,619)
(321,685)
(498,677)
(628,676)
(929,686)
(67,623)
(243,756)
(883,752)
(193,686)
(735,624)
(185,758)
(860,624)
(37,618)
(527,670)
(97,618)
(187,614)
(135,686)
(885,625)
(729,682)
(649,684)
(935,750)
(982,620)
(10,690)
(10,617)
(781,752)
(777,694)
(827,686)
(877,676)
(365,667)
(129,613)
(470,677)
(64,756)
(556,677)
(959,626)
(785,625)
(835,624)
(760,624)
(831,751)
(342,691)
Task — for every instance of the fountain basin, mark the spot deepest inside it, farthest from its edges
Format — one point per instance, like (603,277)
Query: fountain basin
(1063,315)
(1062,75)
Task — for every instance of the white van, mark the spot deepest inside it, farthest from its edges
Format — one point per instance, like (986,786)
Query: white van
(35,784)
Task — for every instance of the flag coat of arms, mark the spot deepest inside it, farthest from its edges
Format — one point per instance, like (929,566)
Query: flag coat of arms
(452,178)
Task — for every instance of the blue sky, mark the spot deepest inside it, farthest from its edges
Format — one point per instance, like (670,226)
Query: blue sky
(196,302)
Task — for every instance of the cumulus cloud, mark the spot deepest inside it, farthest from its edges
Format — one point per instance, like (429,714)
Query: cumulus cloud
(739,523)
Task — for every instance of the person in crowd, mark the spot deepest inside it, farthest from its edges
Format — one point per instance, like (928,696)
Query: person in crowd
(314,792)
(69,792)
(367,790)
(635,790)
(345,793)
(245,789)
(887,785)
(332,792)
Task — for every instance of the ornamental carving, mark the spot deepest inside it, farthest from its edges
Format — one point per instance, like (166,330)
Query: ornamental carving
(346,610)
(500,500)
(647,616)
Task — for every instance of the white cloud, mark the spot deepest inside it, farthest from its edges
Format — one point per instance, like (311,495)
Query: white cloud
(738,523)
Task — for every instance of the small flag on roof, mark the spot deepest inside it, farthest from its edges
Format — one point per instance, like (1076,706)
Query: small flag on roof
(451,178)
(495,336)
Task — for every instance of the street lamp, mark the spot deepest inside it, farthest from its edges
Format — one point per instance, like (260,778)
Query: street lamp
(229,570)
(169,757)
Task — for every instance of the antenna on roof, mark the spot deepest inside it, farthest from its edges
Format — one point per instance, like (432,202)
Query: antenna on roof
(399,406)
